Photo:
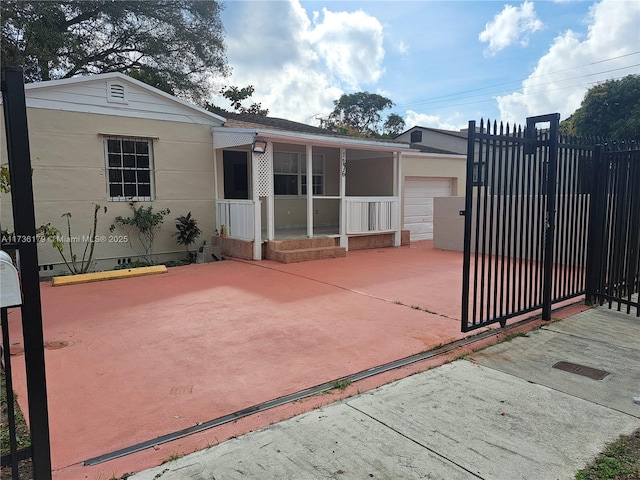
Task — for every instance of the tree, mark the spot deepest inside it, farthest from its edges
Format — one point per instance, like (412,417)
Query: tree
(609,110)
(357,113)
(393,125)
(177,43)
(5,179)
(153,78)
(236,95)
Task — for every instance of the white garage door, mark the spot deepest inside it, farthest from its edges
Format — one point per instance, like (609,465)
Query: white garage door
(418,204)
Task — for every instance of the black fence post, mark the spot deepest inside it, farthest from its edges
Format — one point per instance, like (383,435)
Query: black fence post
(596,216)
(15,116)
(468,206)
(551,187)
(549,191)
(633,244)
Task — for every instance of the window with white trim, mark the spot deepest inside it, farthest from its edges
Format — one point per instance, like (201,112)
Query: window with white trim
(290,174)
(129,164)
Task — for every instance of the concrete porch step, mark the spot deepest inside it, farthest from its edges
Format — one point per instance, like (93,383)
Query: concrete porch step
(304,249)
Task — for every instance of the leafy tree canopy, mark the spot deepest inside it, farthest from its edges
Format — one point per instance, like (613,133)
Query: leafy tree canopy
(609,110)
(174,44)
(236,95)
(393,125)
(360,114)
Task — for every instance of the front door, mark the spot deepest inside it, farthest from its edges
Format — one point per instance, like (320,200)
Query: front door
(236,175)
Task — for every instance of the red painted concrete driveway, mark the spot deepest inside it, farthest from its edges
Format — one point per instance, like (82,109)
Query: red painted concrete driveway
(132,359)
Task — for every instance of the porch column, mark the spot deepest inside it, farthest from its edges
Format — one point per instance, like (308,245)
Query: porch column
(397,160)
(257,230)
(271,229)
(309,191)
(344,241)
(257,217)
(215,174)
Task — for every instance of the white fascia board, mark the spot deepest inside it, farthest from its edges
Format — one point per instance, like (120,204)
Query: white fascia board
(118,112)
(125,78)
(320,140)
(453,156)
(255,131)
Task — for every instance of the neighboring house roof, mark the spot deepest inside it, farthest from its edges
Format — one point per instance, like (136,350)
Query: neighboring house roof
(428,149)
(436,140)
(115,94)
(453,133)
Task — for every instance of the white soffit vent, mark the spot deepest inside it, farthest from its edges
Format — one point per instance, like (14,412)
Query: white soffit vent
(116,92)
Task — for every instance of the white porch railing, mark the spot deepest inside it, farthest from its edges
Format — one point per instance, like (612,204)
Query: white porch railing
(372,214)
(238,218)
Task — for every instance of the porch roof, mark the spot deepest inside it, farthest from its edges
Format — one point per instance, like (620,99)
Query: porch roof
(304,138)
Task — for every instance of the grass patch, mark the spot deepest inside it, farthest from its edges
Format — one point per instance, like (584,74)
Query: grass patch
(23,438)
(172,458)
(22,434)
(341,384)
(421,309)
(619,461)
(136,264)
(510,336)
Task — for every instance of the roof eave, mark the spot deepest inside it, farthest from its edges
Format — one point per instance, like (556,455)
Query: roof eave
(304,138)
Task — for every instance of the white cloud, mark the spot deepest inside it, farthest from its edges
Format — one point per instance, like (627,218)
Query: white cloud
(510,25)
(350,45)
(453,122)
(572,65)
(297,64)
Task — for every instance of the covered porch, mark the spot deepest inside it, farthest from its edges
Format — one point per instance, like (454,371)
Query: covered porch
(272,185)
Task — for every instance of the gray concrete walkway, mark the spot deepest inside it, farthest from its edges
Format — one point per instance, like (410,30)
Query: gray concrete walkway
(503,413)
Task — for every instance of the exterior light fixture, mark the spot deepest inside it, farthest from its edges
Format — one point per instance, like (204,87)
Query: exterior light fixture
(259,145)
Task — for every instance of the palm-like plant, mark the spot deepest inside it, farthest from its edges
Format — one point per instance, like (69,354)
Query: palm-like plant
(188,231)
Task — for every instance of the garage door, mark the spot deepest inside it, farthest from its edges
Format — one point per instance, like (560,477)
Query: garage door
(418,204)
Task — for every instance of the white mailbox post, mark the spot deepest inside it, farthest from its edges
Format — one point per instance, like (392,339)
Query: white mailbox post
(10,294)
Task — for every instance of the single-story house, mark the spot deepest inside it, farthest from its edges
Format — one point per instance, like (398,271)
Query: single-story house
(111,140)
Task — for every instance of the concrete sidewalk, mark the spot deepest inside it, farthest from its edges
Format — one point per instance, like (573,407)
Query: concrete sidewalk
(502,413)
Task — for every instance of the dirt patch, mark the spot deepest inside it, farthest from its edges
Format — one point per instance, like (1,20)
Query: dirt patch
(55,345)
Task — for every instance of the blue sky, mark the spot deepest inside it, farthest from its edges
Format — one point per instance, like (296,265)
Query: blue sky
(442,63)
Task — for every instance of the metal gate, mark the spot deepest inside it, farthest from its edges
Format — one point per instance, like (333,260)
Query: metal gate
(526,221)
(613,270)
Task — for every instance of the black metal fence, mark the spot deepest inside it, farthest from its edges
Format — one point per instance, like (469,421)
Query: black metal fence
(17,142)
(614,273)
(530,204)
